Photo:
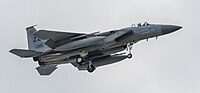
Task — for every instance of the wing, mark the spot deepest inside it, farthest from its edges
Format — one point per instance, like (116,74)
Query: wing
(55,38)
(55,35)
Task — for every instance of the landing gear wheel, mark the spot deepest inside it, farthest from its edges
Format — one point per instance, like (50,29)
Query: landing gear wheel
(90,68)
(79,60)
(129,48)
(130,56)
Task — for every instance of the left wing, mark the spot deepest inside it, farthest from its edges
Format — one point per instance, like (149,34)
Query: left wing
(55,35)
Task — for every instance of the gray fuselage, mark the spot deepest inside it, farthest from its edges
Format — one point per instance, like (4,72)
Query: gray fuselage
(106,43)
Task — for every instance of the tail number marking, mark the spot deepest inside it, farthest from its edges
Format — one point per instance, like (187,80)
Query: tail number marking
(36,39)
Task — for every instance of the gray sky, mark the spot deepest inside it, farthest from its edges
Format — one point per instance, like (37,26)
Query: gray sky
(170,64)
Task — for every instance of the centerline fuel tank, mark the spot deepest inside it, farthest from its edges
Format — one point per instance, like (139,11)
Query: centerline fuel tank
(103,61)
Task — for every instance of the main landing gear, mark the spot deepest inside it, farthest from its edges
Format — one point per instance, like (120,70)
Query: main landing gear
(90,67)
(80,60)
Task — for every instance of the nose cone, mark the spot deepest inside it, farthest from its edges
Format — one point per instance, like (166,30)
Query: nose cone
(166,29)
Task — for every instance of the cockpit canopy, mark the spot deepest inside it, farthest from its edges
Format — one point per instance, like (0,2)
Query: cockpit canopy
(140,25)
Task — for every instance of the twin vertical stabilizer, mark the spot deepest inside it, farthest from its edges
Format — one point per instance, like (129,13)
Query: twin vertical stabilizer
(35,43)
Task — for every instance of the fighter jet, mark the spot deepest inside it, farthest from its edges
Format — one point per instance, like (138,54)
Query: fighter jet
(86,51)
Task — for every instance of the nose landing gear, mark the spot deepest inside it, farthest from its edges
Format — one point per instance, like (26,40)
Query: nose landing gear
(129,48)
(130,56)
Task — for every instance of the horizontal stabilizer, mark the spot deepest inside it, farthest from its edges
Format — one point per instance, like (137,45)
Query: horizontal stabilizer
(25,53)
(46,70)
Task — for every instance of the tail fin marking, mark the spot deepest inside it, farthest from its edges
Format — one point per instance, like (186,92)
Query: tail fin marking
(35,43)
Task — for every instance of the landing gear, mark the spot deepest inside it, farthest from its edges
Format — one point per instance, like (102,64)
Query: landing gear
(130,56)
(83,53)
(129,48)
(79,60)
(90,67)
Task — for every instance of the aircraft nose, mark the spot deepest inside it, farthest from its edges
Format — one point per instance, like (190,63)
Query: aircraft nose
(166,29)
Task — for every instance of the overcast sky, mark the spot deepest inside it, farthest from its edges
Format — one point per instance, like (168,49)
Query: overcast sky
(170,64)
